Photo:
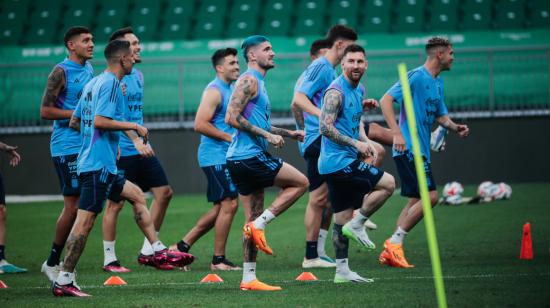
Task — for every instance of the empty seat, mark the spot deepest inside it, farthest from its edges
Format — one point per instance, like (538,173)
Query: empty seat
(376,16)
(277,17)
(477,15)
(344,12)
(443,15)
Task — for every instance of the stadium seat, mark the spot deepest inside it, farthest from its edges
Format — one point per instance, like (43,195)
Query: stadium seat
(10,34)
(540,13)
(178,9)
(79,14)
(144,19)
(510,14)
(244,9)
(46,12)
(477,15)
(443,15)
(13,15)
(277,17)
(111,16)
(410,16)
(310,17)
(207,28)
(344,12)
(211,9)
(376,16)
(242,27)
(40,34)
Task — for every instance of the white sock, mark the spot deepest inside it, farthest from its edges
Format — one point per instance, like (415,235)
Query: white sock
(249,271)
(158,246)
(109,254)
(64,278)
(342,266)
(321,242)
(398,236)
(263,219)
(147,249)
(358,221)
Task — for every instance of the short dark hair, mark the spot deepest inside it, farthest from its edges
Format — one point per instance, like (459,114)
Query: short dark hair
(114,48)
(74,31)
(220,54)
(319,44)
(354,48)
(120,33)
(436,42)
(339,32)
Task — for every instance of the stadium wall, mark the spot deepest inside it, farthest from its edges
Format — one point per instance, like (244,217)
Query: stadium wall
(508,149)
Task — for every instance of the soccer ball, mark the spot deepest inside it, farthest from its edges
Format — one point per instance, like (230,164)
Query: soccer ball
(452,189)
(437,139)
(504,191)
(487,190)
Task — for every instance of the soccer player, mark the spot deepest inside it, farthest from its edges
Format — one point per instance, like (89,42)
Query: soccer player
(215,139)
(308,98)
(63,89)
(5,266)
(251,167)
(352,183)
(138,163)
(429,106)
(98,116)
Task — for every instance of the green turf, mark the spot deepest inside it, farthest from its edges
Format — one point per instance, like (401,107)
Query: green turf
(479,252)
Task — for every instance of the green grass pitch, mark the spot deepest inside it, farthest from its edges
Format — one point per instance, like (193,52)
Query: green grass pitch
(479,247)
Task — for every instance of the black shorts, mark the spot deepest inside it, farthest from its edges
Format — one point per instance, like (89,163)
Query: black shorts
(253,174)
(117,187)
(407,174)
(65,167)
(347,187)
(2,191)
(311,155)
(145,172)
(220,185)
(96,186)
(366,125)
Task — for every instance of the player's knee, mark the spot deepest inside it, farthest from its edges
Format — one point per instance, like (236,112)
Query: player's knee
(388,183)
(229,207)
(3,212)
(303,183)
(381,152)
(168,193)
(319,200)
(434,197)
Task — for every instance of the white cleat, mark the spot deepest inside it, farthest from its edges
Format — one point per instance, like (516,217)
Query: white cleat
(358,235)
(50,271)
(350,277)
(370,225)
(317,263)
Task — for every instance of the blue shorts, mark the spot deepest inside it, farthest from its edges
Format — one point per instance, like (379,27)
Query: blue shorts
(407,174)
(311,154)
(220,185)
(2,191)
(145,172)
(347,187)
(96,186)
(117,187)
(253,174)
(65,167)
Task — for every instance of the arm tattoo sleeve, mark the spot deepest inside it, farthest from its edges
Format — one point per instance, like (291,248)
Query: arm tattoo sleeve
(244,90)
(331,104)
(298,116)
(280,131)
(54,85)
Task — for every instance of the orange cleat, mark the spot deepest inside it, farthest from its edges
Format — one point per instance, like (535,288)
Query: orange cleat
(258,237)
(256,285)
(393,255)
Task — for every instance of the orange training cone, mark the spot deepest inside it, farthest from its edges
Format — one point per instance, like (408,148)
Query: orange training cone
(526,252)
(306,276)
(114,281)
(3,285)
(210,278)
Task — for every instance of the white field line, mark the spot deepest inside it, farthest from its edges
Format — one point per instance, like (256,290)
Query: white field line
(450,277)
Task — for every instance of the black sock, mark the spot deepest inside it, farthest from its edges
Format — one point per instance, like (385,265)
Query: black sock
(218,259)
(183,246)
(340,242)
(55,254)
(311,250)
(2,252)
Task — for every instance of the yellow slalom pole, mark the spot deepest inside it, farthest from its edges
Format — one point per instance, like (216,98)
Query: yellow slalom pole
(423,186)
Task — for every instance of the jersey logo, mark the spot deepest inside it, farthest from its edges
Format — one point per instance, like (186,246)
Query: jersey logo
(76,80)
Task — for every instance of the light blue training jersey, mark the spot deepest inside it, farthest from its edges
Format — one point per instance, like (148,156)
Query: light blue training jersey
(313,83)
(212,151)
(64,140)
(133,108)
(428,102)
(335,156)
(101,97)
(258,113)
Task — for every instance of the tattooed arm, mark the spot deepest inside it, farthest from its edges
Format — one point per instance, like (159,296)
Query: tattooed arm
(54,86)
(245,89)
(298,115)
(294,134)
(331,105)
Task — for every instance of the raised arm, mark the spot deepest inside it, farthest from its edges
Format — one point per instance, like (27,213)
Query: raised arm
(54,86)
(245,89)
(386,103)
(210,101)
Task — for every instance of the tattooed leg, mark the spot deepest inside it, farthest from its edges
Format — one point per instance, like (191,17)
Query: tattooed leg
(142,216)
(253,206)
(77,239)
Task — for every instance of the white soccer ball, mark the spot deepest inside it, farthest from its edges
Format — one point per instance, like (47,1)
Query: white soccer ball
(453,200)
(504,191)
(487,190)
(452,189)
